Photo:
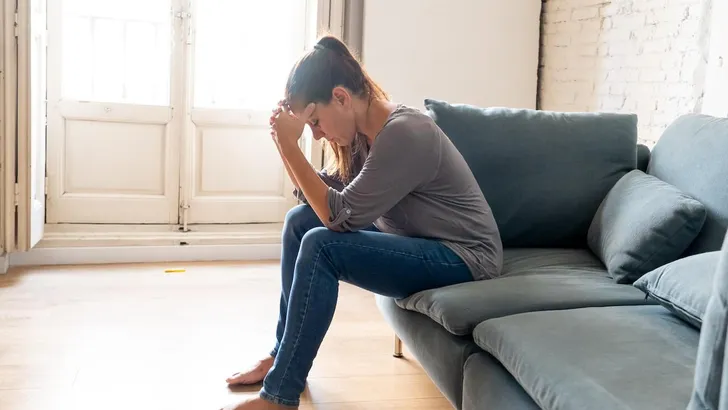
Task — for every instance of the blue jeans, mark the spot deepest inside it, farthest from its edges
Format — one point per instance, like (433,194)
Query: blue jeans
(314,260)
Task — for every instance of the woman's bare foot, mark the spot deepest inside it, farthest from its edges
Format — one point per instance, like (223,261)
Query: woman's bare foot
(256,403)
(254,375)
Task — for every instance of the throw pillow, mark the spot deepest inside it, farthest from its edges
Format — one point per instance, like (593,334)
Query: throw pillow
(643,223)
(683,286)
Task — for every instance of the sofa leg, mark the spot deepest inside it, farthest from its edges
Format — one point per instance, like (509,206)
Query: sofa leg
(397,347)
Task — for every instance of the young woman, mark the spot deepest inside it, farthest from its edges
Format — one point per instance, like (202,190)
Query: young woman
(397,212)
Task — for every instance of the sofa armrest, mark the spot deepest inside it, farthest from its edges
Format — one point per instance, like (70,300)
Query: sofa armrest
(710,390)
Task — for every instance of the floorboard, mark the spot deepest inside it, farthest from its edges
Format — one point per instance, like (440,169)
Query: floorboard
(134,337)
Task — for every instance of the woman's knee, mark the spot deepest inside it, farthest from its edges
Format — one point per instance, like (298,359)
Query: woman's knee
(299,220)
(317,253)
(315,240)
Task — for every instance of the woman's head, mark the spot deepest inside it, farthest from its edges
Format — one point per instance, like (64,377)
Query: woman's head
(330,77)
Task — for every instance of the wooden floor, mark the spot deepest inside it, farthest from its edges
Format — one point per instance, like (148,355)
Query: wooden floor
(132,337)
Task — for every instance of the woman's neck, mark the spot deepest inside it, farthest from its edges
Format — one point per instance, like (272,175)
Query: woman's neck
(370,118)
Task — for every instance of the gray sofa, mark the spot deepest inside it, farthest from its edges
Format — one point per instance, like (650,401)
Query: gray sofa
(593,226)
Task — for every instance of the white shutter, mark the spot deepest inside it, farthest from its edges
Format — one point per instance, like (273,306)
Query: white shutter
(31,156)
(7,141)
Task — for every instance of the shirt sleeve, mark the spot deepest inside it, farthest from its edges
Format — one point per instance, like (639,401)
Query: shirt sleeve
(358,158)
(404,156)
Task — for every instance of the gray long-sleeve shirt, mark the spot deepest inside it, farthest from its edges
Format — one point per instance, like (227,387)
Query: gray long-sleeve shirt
(414,182)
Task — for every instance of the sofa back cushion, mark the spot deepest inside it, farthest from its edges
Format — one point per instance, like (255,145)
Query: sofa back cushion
(692,155)
(543,173)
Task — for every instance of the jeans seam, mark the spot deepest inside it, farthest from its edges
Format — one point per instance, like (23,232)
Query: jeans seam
(305,313)
(393,252)
(276,399)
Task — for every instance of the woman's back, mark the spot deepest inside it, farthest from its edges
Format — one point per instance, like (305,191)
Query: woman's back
(415,183)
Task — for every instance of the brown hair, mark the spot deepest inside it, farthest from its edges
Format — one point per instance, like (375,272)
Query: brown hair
(313,78)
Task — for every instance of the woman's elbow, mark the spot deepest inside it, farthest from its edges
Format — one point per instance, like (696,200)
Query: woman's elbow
(349,225)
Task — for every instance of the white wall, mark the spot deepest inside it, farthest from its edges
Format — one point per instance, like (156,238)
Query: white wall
(482,52)
(636,56)
(716,88)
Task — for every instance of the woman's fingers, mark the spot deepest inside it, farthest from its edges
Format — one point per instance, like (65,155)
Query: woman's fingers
(276,112)
(273,117)
(283,104)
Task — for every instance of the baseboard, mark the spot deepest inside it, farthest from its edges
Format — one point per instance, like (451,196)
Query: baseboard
(79,235)
(4,263)
(136,254)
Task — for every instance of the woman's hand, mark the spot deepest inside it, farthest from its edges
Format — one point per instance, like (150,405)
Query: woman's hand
(286,128)
(272,121)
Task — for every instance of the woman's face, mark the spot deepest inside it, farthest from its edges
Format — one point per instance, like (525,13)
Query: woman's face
(334,121)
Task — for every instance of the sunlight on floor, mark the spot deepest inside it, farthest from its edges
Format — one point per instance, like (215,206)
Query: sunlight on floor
(134,337)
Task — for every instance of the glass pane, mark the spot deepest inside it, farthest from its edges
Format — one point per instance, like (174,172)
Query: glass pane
(117,51)
(244,51)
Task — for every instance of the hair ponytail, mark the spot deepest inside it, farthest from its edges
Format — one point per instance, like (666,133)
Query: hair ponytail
(334,44)
(331,64)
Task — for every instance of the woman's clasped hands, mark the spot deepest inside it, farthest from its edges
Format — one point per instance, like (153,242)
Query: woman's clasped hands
(286,127)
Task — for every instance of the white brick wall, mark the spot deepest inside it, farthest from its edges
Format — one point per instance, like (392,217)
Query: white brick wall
(637,56)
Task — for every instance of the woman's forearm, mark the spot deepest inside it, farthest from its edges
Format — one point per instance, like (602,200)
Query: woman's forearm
(288,168)
(314,188)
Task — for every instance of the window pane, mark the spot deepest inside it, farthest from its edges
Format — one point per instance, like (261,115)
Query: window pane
(117,51)
(244,51)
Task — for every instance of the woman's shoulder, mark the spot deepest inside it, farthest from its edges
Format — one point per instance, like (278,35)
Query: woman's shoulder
(411,121)
(407,113)
(410,130)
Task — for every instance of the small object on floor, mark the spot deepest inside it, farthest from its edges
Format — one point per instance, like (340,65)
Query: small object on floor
(174,271)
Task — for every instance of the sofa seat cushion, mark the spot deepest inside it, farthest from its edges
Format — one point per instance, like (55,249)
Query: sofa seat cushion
(533,280)
(623,357)
(524,261)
